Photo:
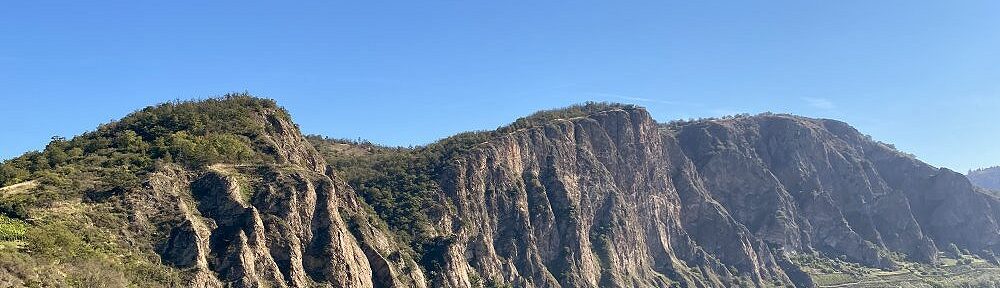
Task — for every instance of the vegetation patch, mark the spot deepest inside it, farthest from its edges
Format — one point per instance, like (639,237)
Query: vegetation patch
(70,244)
(12,233)
(191,133)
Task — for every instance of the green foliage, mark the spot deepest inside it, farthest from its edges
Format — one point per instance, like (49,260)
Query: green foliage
(12,229)
(10,173)
(199,151)
(57,240)
(121,178)
(226,115)
(396,183)
(497,284)
(71,250)
(399,183)
(190,133)
(13,209)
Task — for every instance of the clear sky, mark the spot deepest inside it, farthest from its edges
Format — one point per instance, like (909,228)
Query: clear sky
(923,76)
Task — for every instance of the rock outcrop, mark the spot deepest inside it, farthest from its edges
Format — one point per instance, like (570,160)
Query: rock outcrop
(292,223)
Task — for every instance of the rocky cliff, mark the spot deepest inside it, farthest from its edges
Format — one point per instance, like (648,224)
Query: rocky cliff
(593,201)
(807,184)
(291,223)
(590,196)
(612,199)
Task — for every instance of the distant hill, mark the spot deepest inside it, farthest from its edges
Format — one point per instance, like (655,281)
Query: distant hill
(988,178)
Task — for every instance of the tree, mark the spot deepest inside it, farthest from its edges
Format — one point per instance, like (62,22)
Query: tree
(9,174)
(130,141)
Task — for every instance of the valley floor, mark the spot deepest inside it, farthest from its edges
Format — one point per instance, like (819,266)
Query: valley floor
(968,271)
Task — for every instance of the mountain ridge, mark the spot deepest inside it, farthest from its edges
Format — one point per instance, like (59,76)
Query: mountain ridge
(987,178)
(586,196)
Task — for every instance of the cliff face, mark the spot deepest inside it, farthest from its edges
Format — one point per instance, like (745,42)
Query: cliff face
(612,199)
(288,224)
(590,202)
(805,185)
(606,198)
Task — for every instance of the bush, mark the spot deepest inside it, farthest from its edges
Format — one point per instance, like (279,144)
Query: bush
(11,174)
(198,151)
(13,209)
(12,229)
(55,240)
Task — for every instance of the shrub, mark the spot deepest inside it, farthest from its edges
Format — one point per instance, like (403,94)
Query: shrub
(13,209)
(11,174)
(12,229)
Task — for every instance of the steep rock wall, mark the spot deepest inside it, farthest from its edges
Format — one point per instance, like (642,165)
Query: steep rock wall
(590,202)
(288,224)
(805,184)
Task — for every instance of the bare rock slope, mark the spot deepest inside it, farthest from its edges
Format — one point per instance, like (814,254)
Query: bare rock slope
(614,199)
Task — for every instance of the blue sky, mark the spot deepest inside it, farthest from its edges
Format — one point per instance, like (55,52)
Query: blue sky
(920,75)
